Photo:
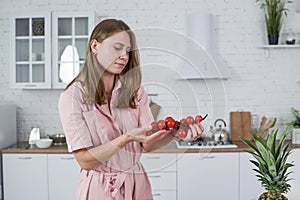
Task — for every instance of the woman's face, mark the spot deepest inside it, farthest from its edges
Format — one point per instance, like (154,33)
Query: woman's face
(113,52)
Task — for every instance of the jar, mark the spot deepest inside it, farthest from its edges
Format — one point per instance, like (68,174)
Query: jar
(290,37)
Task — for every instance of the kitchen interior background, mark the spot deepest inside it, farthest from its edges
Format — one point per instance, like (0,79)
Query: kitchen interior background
(264,85)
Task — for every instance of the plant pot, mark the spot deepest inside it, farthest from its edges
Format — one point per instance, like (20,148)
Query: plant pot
(296,136)
(273,39)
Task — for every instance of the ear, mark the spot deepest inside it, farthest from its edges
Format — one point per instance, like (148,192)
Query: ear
(93,45)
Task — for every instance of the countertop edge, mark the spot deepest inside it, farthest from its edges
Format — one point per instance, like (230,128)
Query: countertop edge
(170,148)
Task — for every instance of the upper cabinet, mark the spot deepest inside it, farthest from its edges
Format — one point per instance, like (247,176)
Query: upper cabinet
(70,34)
(31,50)
(38,63)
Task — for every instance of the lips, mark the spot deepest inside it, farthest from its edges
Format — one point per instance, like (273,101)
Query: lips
(120,64)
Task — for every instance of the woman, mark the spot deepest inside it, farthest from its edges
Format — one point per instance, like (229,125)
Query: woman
(105,115)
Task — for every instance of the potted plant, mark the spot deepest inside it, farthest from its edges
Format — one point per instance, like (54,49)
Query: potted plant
(274,10)
(295,123)
(271,163)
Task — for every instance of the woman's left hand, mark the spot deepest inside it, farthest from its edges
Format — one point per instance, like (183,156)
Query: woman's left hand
(194,132)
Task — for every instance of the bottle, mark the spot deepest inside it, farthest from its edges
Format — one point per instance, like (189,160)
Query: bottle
(290,37)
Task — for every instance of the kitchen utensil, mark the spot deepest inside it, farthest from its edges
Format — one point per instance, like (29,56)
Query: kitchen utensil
(34,135)
(58,139)
(240,125)
(220,135)
(264,127)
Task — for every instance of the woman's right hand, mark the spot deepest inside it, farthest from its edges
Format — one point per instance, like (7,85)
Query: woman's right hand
(139,134)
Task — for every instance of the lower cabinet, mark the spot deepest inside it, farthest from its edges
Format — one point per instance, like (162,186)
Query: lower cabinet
(208,176)
(40,176)
(173,176)
(162,173)
(63,176)
(25,176)
(250,187)
(295,175)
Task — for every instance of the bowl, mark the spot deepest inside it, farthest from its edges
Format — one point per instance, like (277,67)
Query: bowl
(44,143)
(58,139)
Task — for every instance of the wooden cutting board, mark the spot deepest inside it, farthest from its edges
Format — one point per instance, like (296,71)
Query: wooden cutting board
(240,125)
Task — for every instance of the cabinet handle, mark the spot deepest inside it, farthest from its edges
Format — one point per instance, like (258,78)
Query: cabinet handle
(153,157)
(156,176)
(25,158)
(67,158)
(156,194)
(209,157)
(31,85)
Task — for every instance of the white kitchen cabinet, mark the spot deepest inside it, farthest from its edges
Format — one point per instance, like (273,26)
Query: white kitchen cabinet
(63,176)
(31,50)
(250,187)
(70,32)
(162,173)
(38,64)
(25,176)
(208,176)
(295,183)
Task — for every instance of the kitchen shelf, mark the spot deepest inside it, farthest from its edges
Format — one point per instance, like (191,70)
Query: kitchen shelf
(279,46)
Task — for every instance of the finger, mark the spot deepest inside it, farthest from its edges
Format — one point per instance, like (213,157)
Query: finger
(158,134)
(193,131)
(188,135)
(198,129)
(142,130)
(201,127)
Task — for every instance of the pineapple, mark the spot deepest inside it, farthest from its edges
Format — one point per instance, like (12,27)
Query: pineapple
(271,163)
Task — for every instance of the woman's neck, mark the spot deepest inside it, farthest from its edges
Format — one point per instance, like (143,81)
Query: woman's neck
(109,82)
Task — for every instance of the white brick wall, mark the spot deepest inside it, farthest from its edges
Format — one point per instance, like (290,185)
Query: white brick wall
(265,86)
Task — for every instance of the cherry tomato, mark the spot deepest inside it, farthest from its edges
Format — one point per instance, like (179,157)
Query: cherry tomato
(182,133)
(183,121)
(198,118)
(169,118)
(170,122)
(190,120)
(154,126)
(161,124)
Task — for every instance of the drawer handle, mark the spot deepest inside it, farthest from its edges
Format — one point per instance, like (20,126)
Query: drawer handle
(25,158)
(153,157)
(67,158)
(209,157)
(156,194)
(157,176)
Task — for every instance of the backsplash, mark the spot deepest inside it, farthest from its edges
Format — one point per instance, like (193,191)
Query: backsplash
(262,85)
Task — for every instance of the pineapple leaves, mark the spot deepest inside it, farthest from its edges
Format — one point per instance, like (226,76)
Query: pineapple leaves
(270,159)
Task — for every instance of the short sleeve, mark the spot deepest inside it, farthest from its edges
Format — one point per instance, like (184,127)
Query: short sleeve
(70,108)
(145,115)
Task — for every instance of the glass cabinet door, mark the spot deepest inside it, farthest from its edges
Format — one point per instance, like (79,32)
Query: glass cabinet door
(71,34)
(31,43)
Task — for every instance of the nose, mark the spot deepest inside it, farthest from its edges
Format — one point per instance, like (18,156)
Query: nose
(124,55)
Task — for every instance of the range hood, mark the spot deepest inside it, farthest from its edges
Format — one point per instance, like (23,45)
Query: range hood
(201,62)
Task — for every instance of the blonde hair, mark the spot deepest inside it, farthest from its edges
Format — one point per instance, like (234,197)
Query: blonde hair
(92,72)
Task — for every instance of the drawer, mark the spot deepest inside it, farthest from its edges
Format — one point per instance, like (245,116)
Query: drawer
(154,162)
(163,180)
(164,195)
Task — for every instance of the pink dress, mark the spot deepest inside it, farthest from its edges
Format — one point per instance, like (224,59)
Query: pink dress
(122,177)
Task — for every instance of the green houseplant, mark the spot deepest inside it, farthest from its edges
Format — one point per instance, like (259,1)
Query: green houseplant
(271,163)
(274,10)
(295,123)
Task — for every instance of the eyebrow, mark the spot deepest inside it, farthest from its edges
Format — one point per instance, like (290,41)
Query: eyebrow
(119,43)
